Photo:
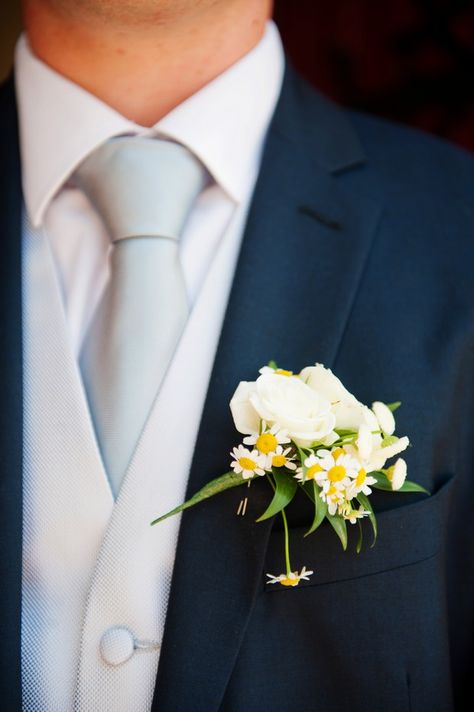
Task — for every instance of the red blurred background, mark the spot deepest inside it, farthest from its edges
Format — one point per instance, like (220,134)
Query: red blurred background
(407,60)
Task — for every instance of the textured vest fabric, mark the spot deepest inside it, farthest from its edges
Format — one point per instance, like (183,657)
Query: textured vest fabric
(89,563)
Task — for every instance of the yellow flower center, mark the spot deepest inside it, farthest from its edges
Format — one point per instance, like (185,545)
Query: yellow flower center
(287,581)
(247,464)
(279,461)
(312,471)
(337,452)
(361,477)
(282,372)
(266,443)
(336,473)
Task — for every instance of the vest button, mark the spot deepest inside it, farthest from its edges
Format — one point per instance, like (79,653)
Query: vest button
(117,645)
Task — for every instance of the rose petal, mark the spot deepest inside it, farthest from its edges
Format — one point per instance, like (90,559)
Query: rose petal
(246,419)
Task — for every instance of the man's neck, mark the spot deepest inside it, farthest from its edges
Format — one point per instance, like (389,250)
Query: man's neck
(145,70)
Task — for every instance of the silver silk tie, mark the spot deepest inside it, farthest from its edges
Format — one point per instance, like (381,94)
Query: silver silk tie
(144,190)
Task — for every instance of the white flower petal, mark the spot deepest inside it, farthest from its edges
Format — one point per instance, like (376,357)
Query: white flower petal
(398,473)
(246,419)
(324,382)
(273,579)
(349,412)
(385,417)
(330,439)
(380,457)
(364,441)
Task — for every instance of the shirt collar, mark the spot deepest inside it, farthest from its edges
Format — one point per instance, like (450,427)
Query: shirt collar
(224,123)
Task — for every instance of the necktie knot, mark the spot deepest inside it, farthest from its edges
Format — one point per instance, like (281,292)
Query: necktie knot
(142,186)
(143,189)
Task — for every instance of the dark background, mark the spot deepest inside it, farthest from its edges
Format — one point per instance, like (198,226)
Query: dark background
(407,60)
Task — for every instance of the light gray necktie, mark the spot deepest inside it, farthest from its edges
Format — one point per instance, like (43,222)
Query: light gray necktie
(143,189)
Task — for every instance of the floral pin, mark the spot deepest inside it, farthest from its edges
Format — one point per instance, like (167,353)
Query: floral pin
(307,432)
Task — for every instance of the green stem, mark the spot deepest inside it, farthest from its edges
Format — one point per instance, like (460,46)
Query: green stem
(287,536)
(287,543)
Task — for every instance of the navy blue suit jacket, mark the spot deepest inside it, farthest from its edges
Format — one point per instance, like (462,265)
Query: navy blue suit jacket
(358,253)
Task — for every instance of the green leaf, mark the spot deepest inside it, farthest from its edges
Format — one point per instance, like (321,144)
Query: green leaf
(272,364)
(383,483)
(346,437)
(303,453)
(320,509)
(393,406)
(365,502)
(340,527)
(220,484)
(308,489)
(409,486)
(285,490)
(361,537)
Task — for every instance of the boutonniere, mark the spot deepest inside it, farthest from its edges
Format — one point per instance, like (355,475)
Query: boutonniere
(307,432)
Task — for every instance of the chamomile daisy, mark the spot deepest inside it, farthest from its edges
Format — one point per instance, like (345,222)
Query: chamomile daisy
(281,458)
(268,440)
(292,578)
(360,483)
(331,467)
(247,462)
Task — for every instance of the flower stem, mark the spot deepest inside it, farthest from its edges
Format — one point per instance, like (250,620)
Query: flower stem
(287,543)
(285,526)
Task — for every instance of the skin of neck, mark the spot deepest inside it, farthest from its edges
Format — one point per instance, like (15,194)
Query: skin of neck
(145,58)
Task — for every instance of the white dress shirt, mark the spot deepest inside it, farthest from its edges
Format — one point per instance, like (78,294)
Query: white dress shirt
(76,563)
(224,124)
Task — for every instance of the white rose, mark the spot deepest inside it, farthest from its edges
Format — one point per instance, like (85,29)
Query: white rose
(286,401)
(350,413)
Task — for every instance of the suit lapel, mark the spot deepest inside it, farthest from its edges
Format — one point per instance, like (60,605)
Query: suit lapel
(11,410)
(302,256)
(290,301)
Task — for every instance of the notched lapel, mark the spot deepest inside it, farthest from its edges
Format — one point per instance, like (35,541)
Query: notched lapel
(301,261)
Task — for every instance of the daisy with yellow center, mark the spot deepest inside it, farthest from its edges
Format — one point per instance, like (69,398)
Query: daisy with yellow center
(292,578)
(332,470)
(333,497)
(280,458)
(247,462)
(313,469)
(333,467)
(267,441)
(361,483)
